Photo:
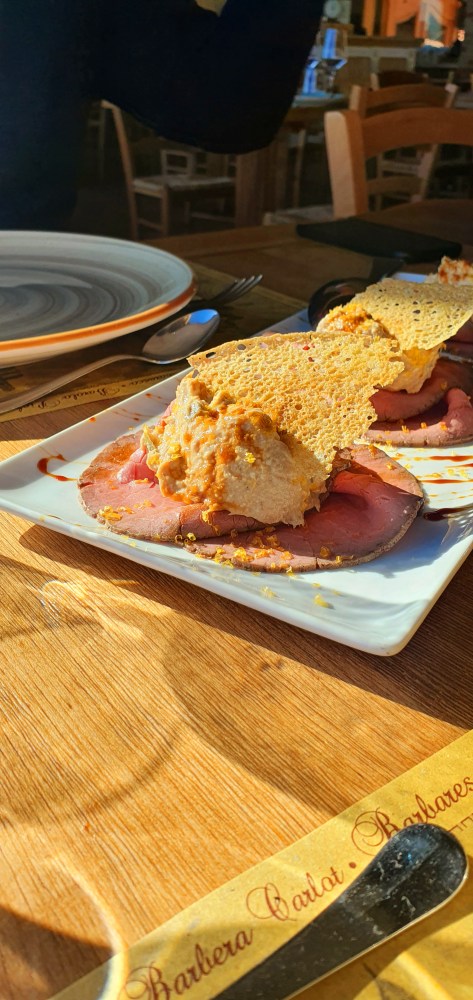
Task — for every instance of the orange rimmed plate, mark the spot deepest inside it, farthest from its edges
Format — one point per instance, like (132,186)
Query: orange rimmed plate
(60,292)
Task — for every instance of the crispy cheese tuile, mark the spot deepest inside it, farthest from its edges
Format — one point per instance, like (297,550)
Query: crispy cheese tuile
(316,391)
(418,363)
(418,315)
(290,402)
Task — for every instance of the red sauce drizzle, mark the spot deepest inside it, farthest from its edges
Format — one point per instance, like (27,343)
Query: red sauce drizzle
(451,458)
(42,465)
(434,481)
(441,513)
(444,512)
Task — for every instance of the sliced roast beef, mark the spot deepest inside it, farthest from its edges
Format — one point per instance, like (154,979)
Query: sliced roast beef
(448,422)
(401,405)
(137,507)
(370,507)
(136,468)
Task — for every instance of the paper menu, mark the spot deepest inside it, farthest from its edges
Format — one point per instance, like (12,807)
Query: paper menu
(205,948)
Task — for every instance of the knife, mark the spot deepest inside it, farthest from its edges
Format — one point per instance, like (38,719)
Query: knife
(416,872)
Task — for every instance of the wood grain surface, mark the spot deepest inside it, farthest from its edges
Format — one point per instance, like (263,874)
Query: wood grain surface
(157,740)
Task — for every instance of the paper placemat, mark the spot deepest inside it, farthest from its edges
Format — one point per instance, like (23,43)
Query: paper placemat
(259,309)
(208,946)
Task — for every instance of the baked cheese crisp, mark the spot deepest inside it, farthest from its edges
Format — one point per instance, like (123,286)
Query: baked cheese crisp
(257,429)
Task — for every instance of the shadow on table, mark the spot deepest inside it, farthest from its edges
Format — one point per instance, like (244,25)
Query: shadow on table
(397,678)
(259,733)
(38,961)
(109,709)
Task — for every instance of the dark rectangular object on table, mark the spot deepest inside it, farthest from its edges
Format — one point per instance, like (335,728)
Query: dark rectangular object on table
(374,240)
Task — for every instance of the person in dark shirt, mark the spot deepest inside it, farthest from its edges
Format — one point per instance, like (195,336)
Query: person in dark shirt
(221,83)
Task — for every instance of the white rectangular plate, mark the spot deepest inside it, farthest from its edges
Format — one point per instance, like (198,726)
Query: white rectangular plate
(375,607)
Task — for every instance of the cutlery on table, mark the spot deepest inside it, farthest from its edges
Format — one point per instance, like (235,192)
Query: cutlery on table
(338,292)
(173,342)
(333,293)
(231,292)
(463,359)
(415,873)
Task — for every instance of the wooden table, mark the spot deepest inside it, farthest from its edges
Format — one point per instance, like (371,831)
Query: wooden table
(157,740)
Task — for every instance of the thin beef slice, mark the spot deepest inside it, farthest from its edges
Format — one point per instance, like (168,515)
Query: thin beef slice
(370,507)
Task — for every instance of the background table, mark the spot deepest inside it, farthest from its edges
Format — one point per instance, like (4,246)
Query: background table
(156,740)
(261,176)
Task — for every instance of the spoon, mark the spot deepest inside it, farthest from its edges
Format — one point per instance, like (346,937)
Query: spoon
(173,342)
(333,293)
(338,292)
(414,874)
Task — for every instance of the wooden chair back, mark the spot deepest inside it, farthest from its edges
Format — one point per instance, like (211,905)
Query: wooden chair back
(373,102)
(409,171)
(178,161)
(352,140)
(127,164)
(183,177)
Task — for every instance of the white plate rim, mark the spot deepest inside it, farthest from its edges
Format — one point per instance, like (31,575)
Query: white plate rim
(117,327)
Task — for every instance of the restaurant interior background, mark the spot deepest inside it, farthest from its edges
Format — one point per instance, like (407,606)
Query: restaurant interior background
(422,40)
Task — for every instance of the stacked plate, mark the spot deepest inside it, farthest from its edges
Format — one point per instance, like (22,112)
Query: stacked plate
(61,292)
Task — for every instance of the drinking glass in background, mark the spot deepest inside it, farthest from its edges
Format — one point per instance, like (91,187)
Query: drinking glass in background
(309,81)
(326,57)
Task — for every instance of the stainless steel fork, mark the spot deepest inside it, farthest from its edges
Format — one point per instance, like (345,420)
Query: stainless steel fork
(233,291)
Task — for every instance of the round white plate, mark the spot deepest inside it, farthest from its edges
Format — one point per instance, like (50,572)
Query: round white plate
(63,291)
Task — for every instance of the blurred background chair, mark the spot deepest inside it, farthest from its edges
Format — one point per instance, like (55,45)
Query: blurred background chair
(401,175)
(402,172)
(184,180)
(301,133)
(352,141)
(408,95)
(96,123)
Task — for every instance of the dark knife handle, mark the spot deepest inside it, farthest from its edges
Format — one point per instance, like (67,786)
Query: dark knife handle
(415,872)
